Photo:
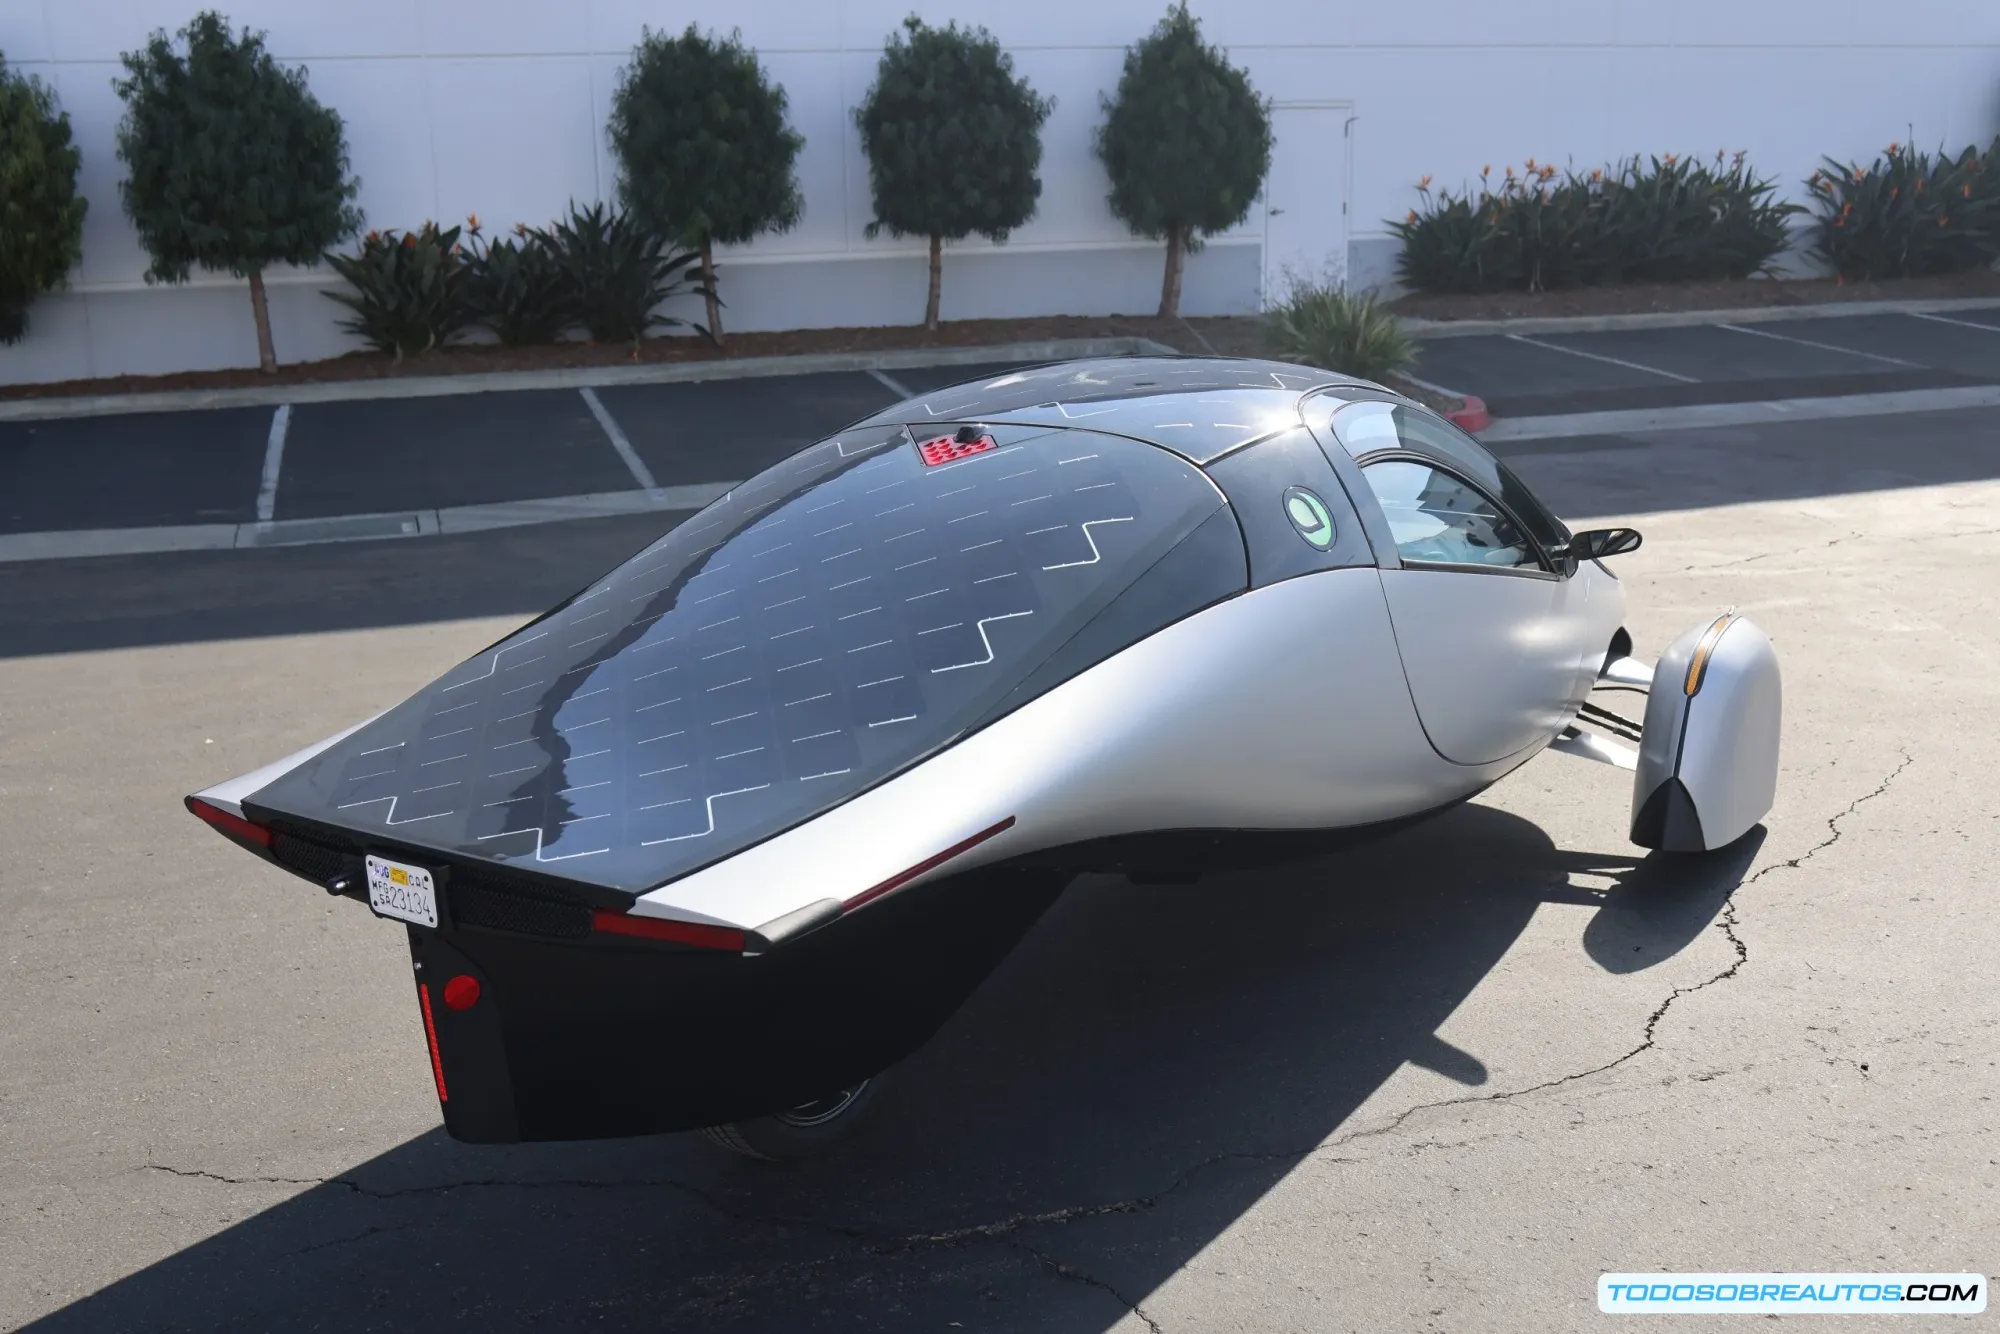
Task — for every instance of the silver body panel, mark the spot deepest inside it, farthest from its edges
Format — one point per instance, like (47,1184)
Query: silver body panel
(1708,757)
(1499,663)
(1284,708)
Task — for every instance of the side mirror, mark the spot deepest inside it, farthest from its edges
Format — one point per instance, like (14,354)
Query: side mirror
(1597,543)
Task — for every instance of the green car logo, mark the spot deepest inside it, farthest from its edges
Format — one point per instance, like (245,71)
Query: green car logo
(1310,516)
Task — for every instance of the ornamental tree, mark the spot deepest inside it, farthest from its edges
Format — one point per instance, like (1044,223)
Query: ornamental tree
(704,150)
(953,140)
(41,215)
(1186,141)
(233,166)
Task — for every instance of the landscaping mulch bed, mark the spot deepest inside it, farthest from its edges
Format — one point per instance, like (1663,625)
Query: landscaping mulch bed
(1236,336)
(1739,294)
(473,359)
(1229,336)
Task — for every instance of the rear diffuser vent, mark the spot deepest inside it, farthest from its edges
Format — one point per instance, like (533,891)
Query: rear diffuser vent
(497,905)
(315,861)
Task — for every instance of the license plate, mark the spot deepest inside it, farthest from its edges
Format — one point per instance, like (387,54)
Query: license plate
(402,891)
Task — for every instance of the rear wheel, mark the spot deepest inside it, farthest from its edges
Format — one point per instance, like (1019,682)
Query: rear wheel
(802,1131)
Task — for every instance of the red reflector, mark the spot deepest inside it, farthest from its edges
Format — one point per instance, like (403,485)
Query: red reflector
(235,826)
(948,449)
(898,881)
(662,928)
(462,992)
(431,1033)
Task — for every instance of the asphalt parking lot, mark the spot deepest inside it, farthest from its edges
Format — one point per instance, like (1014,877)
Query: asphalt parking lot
(1740,361)
(388,456)
(393,467)
(1486,1061)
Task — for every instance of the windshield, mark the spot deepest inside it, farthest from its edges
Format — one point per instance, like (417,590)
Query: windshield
(816,630)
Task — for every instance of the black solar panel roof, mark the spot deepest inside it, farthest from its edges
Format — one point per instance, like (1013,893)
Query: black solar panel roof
(813,632)
(1196,406)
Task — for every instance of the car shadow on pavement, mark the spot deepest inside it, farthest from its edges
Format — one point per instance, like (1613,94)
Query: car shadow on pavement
(1146,1065)
(1659,904)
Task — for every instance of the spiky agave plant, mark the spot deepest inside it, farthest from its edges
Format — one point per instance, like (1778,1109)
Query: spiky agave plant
(1323,324)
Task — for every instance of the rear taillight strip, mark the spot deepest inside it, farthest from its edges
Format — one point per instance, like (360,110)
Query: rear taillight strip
(896,882)
(431,1033)
(230,824)
(666,928)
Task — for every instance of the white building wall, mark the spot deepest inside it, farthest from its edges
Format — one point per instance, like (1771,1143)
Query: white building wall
(497,107)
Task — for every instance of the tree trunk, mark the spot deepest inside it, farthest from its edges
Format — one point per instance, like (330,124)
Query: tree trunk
(937,281)
(708,281)
(267,356)
(1170,282)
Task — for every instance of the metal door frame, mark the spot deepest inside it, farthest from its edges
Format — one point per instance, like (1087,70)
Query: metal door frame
(1345,251)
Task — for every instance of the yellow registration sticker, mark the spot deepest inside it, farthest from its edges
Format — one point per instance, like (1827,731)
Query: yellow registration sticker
(407,893)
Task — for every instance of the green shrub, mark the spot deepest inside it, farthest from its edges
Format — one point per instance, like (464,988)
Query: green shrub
(232,164)
(409,290)
(1908,213)
(41,214)
(618,273)
(1669,219)
(953,141)
(1186,143)
(1688,221)
(704,152)
(1320,324)
(516,286)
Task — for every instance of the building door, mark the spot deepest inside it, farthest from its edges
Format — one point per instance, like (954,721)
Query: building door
(1305,196)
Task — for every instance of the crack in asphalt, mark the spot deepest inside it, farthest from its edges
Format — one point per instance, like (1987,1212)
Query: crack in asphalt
(1075,1275)
(1727,921)
(1833,822)
(1000,1231)
(1771,555)
(995,1232)
(1834,542)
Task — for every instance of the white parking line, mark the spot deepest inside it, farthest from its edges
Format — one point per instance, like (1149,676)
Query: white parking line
(1696,417)
(1807,342)
(897,385)
(1963,324)
(636,465)
(274,460)
(1594,356)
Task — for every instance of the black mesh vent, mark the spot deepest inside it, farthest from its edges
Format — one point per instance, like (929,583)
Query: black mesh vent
(313,860)
(499,906)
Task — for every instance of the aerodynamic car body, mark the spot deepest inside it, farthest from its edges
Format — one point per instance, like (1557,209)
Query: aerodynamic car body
(737,827)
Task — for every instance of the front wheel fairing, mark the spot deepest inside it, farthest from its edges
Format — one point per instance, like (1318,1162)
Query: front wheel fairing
(818,629)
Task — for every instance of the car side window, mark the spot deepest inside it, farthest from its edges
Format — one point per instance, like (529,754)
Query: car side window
(1439,519)
(1366,428)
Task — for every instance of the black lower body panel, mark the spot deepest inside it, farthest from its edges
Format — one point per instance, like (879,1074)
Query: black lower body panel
(615,1036)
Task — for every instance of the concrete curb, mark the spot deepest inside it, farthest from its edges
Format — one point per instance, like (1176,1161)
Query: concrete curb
(570,377)
(1675,319)
(1701,415)
(1473,416)
(79,543)
(1470,415)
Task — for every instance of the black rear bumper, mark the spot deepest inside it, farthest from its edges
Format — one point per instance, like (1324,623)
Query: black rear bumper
(605,1035)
